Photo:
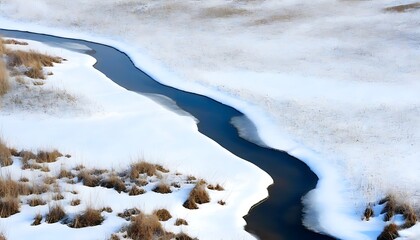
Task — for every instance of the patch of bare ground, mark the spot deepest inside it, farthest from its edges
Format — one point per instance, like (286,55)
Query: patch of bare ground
(90,217)
(198,195)
(404,7)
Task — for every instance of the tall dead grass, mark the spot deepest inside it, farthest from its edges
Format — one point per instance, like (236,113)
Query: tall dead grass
(145,227)
(403,7)
(4,76)
(198,195)
(5,155)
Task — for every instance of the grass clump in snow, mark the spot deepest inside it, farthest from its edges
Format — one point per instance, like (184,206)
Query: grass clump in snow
(55,214)
(4,77)
(390,232)
(36,201)
(75,202)
(403,7)
(198,195)
(9,206)
(115,182)
(180,221)
(5,154)
(163,188)
(134,191)
(48,157)
(390,206)
(37,220)
(145,227)
(88,178)
(368,213)
(163,214)
(142,167)
(90,217)
(216,187)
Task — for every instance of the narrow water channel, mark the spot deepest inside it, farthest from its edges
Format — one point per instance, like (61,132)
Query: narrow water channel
(278,217)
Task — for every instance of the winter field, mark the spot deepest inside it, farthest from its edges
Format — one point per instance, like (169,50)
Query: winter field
(334,83)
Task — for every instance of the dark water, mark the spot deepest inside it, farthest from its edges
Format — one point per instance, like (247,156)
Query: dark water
(279,216)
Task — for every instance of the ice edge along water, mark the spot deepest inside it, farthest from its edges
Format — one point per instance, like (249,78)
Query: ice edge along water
(129,126)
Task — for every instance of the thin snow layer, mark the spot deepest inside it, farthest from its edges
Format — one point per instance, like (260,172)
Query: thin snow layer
(334,83)
(121,128)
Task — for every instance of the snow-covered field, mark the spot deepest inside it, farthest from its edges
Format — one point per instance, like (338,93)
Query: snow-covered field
(334,83)
(104,126)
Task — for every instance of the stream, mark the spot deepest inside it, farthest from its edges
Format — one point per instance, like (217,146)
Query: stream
(277,217)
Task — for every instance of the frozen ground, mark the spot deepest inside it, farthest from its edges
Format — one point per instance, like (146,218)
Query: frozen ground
(105,126)
(334,83)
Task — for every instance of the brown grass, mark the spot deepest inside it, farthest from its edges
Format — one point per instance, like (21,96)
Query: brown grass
(34,61)
(162,188)
(368,213)
(36,201)
(55,214)
(37,220)
(11,188)
(223,12)
(128,213)
(404,7)
(90,217)
(26,156)
(389,208)
(75,202)
(145,227)
(390,232)
(48,157)
(65,174)
(197,195)
(142,168)
(180,221)
(13,41)
(409,215)
(163,214)
(113,181)
(218,187)
(88,178)
(134,191)
(2,236)
(221,202)
(5,154)
(9,206)
(183,236)
(4,77)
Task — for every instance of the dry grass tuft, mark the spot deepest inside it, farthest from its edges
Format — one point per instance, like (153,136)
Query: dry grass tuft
(409,215)
(404,7)
(13,41)
(221,202)
(368,213)
(142,168)
(5,154)
(163,214)
(48,157)
(88,178)
(90,217)
(389,208)
(26,156)
(162,188)
(128,213)
(36,201)
(65,174)
(33,61)
(2,236)
(217,187)
(113,181)
(134,191)
(161,168)
(75,202)
(145,227)
(223,12)
(390,232)
(55,214)
(4,76)
(11,188)
(180,221)
(197,195)
(37,220)
(183,236)
(9,206)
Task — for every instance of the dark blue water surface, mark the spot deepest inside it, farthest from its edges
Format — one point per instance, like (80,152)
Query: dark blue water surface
(277,217)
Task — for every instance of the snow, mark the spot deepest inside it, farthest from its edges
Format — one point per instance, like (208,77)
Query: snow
(113,129)
(334,83)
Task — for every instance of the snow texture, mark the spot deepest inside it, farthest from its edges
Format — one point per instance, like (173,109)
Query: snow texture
(334,83)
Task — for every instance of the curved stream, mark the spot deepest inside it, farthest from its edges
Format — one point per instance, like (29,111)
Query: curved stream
(279,216)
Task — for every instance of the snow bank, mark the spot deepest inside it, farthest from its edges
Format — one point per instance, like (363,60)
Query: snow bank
(334,83)
(119,128)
